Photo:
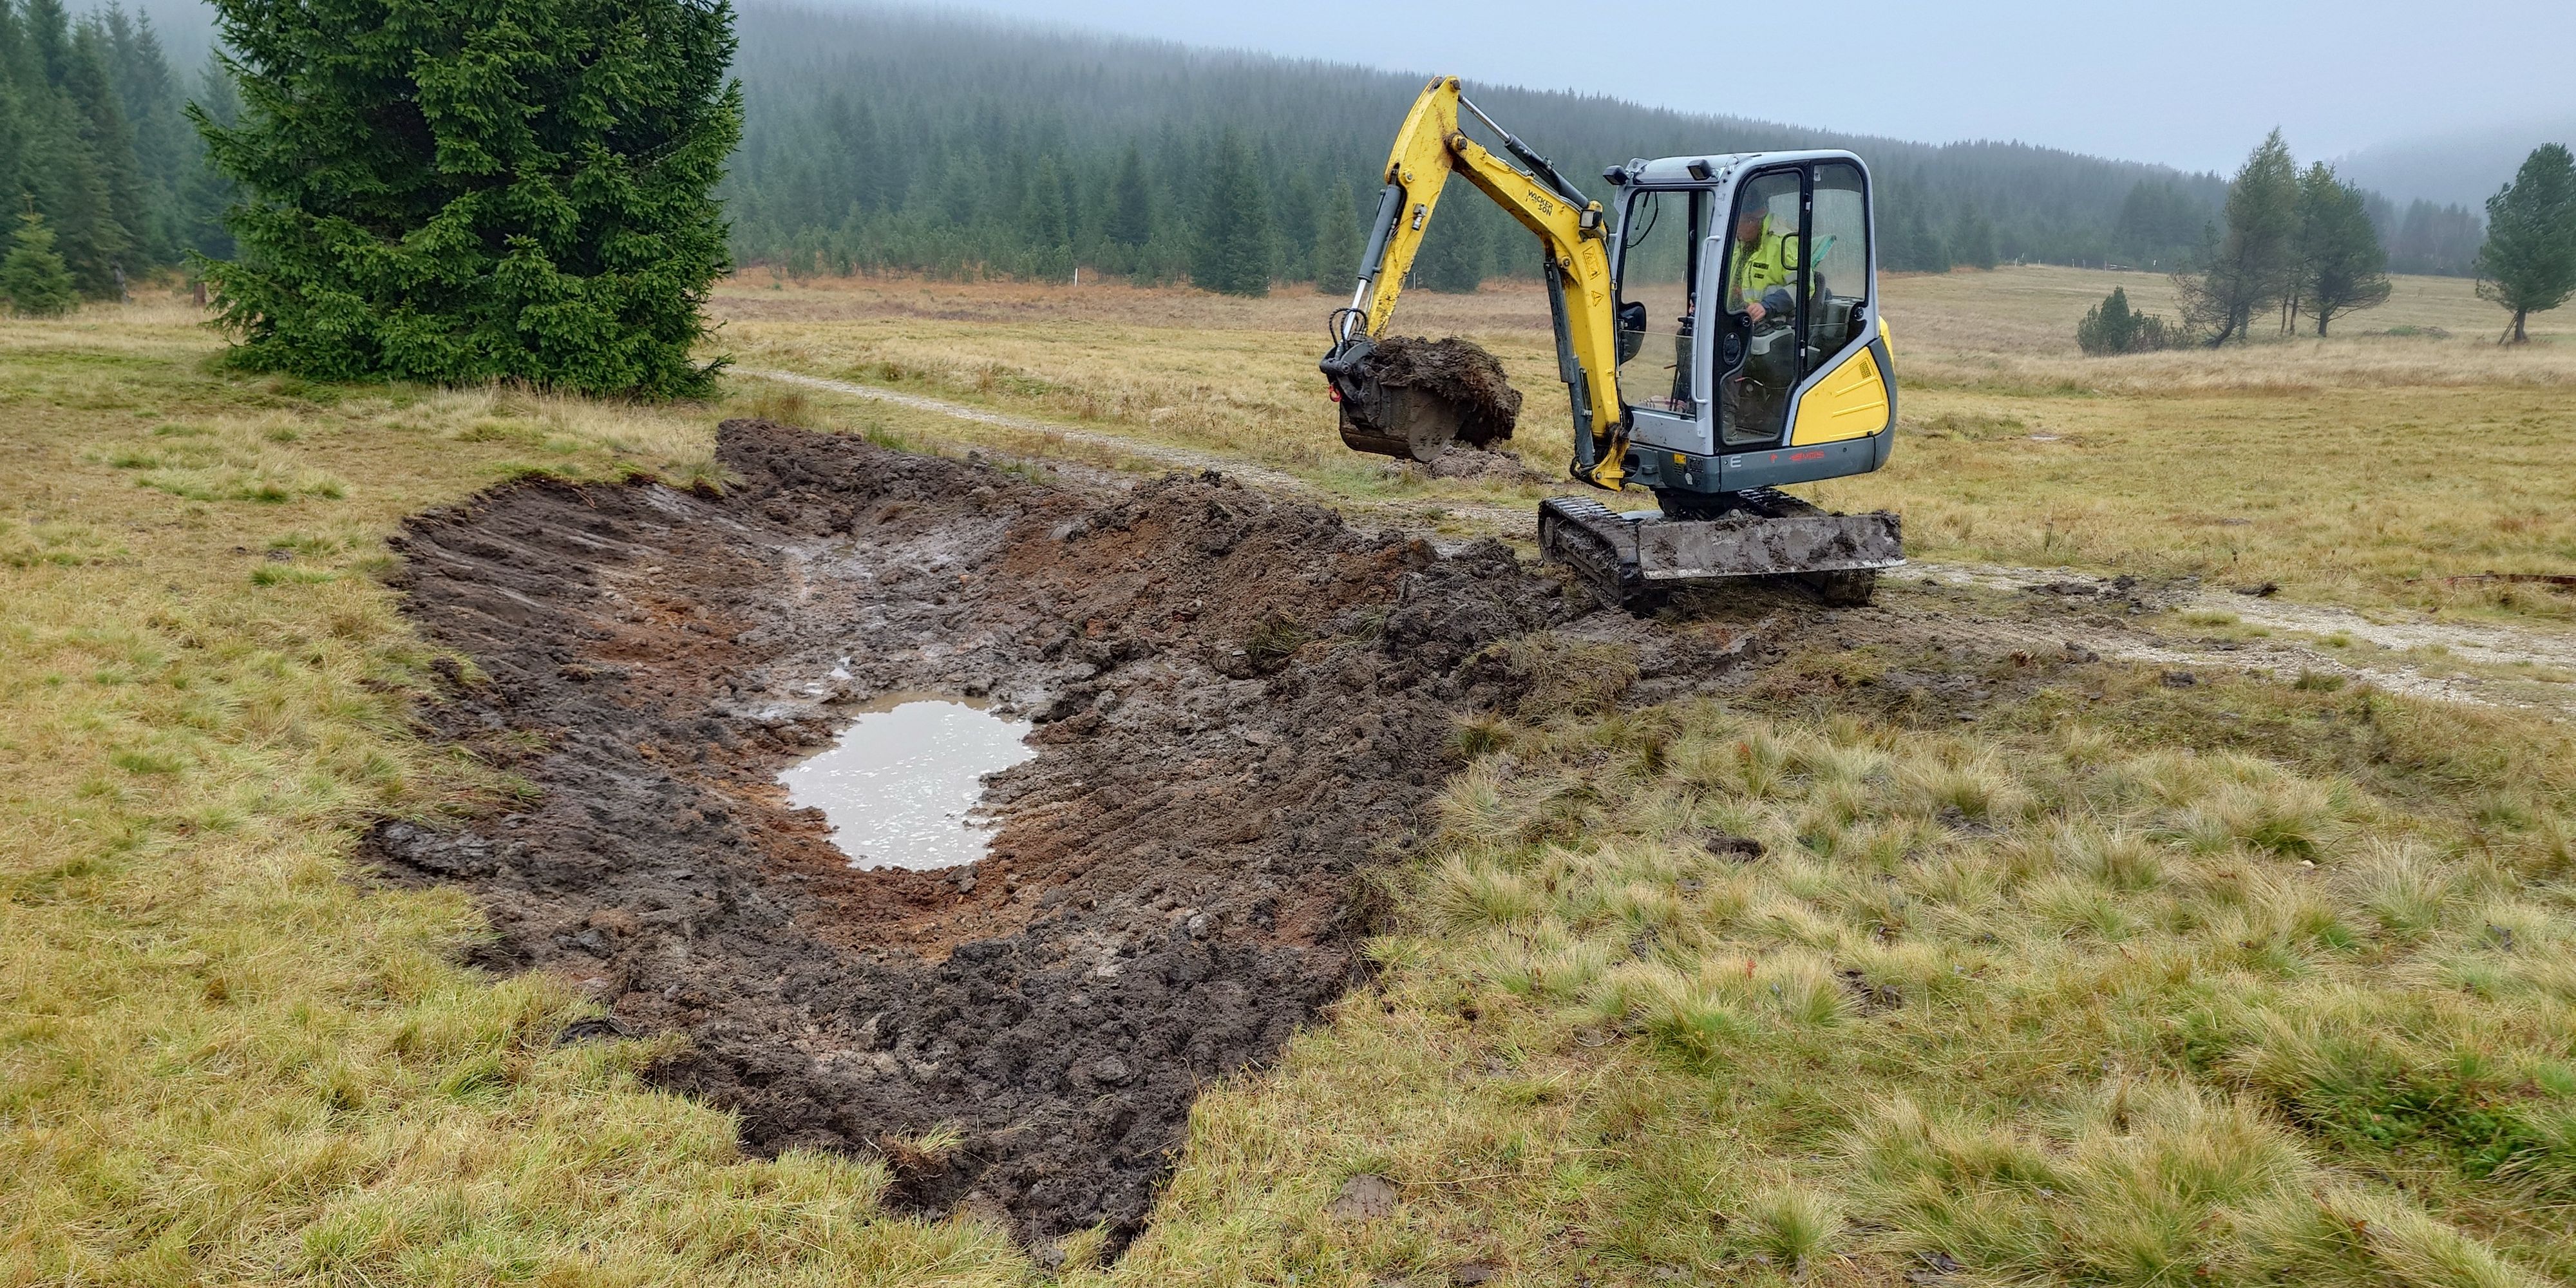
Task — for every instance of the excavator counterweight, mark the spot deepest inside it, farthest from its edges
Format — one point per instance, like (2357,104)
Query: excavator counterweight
(1717,331)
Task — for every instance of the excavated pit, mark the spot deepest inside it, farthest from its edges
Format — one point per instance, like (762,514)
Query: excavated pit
(1240,705)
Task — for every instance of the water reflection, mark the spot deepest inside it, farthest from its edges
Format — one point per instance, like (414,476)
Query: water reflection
(901,784)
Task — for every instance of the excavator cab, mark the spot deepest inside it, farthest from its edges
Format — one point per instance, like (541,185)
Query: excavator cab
(1750,347)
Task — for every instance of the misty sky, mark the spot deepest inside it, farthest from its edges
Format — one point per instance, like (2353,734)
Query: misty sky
(2192,83)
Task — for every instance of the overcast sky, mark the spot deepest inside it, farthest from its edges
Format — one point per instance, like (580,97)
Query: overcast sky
(2192,83)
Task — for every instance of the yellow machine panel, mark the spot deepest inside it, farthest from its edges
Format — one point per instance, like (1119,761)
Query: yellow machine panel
(1850,402)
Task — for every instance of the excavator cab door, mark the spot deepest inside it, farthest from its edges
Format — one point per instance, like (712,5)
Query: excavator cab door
(1807,373)
(1759,363)
(1848,393)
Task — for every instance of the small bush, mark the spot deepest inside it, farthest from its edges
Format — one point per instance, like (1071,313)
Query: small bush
(2112,327)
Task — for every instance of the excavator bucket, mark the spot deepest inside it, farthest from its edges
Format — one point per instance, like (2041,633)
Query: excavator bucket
(1630,557)
(1411,398)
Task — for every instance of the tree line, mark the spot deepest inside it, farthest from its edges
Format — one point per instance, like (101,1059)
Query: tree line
(921,142)
(889,139)
(2303,246)
(105,179)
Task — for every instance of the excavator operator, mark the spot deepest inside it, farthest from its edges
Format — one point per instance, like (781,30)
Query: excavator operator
(1758,279)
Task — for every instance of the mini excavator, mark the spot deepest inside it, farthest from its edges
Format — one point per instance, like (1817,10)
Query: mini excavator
(1720,338)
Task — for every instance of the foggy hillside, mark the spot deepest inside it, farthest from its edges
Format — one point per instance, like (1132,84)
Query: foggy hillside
(2462,166)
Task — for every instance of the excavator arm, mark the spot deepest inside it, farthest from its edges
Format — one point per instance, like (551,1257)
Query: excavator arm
(1571,231)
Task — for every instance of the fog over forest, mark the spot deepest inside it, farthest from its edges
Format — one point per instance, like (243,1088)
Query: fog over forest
(902,138)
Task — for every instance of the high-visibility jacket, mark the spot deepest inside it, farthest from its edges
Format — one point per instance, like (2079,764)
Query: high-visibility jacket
(1759,267)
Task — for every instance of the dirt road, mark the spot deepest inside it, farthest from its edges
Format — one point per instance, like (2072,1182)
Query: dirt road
(2151,635)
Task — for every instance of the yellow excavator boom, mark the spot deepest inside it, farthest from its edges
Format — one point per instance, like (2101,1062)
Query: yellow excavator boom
(1429,147)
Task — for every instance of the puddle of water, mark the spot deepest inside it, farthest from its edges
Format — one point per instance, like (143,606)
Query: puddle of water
(901,784)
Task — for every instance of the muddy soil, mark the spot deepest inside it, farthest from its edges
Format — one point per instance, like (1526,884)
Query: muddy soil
(1242,705)
(1459,461)
(1461,373)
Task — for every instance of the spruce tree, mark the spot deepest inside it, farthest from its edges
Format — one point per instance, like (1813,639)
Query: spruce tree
(1972,238)
(67,160)
(1455,251)
(1049,221)
(2250,269)
(86,85)
(1337,242)
(441,190)
(32,277)
(1910,244)
(91,133)
(2528,264)
(2441,240)
(2159,224)
(1233,252)
(1131,205)
(205,192)
(1294,241)
(165,149)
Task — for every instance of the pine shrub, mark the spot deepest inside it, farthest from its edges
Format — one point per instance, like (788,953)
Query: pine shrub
(437,190)
(33,277)
(2113,327)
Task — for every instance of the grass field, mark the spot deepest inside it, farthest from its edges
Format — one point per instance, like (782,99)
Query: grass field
(2248,982)
(2347,469)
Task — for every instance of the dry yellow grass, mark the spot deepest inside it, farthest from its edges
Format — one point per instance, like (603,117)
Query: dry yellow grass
(2014,329)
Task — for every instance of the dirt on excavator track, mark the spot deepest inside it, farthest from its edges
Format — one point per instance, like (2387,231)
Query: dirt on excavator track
(1242,704)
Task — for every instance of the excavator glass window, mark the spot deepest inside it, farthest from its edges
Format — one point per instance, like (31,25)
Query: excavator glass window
(1659,245)
(1757,350)
(1838,270)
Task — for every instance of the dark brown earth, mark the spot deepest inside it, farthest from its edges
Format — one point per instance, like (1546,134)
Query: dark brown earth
(1461,373)
(1242,704)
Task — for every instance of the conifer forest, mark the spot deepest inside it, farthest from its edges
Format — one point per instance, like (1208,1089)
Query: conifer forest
(901,140)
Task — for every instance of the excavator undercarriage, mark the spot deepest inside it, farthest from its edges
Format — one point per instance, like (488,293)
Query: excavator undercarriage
(1632,557)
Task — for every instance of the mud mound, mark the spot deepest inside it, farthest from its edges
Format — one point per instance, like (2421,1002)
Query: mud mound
(1241,704)
(1458,461)
(1461,373)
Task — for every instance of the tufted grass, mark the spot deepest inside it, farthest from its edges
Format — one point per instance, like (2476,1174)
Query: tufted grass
(2067,1000)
